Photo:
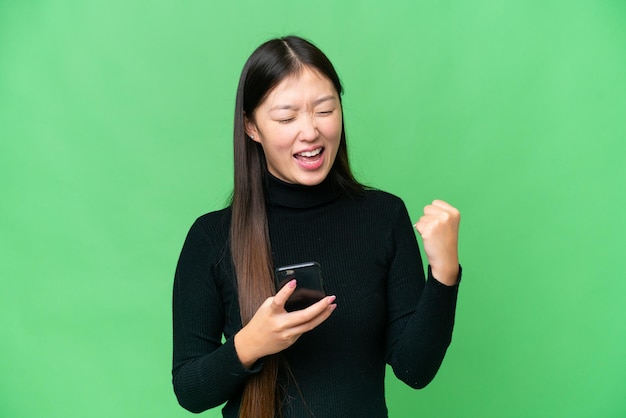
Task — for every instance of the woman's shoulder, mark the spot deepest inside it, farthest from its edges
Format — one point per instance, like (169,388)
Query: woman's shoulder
(376,204)
(215,217)
(382,198)
(213,225)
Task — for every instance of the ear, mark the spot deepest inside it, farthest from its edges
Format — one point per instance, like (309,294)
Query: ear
(251,129)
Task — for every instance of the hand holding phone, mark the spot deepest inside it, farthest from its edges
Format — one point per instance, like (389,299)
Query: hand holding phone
(310,284)
(271,329)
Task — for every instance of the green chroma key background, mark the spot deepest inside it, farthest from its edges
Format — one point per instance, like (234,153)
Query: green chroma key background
(115,134)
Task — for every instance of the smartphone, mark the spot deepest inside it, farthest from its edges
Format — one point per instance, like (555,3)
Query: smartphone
(310,287)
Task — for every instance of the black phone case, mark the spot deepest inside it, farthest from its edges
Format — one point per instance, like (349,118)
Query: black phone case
(310,287)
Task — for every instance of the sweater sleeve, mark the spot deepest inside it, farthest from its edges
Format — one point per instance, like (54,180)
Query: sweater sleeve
(206,371)
(420,312)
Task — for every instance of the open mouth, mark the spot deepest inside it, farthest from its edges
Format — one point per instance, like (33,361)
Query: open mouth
(310,157)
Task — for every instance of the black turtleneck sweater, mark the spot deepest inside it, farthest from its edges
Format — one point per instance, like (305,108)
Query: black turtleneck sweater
(387,313)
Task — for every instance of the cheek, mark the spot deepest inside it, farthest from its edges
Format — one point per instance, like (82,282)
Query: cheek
(335,130)
(331,128)
(279,138)
(284,139)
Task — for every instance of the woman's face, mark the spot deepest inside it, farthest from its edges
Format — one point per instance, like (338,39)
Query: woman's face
(299,127)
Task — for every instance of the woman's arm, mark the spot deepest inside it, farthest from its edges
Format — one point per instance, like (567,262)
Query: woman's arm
(420,312)
(206,372)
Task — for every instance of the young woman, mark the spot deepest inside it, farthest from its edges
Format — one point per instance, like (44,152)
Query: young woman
(296,200)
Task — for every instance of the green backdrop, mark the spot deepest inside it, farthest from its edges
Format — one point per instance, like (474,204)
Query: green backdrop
(115,134)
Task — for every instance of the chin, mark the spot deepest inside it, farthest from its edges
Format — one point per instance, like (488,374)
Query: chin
(311,179)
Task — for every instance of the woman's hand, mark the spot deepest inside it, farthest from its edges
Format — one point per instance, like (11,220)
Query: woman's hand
(439,228)
(273,329)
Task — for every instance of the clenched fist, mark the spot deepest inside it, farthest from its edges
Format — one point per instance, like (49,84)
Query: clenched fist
(439,229)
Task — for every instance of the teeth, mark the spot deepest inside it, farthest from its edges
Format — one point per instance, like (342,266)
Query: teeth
(310,153)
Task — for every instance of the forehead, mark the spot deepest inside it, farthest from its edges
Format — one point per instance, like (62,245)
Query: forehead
(303,86)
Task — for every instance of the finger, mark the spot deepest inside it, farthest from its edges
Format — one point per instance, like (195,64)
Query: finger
(425,221)
(440,214)
(316,320)
(432,210)
(305,315)
(445,206)
(421,225)
(283,294)
(441,203)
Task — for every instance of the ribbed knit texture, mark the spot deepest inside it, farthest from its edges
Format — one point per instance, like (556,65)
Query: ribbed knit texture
(386,311)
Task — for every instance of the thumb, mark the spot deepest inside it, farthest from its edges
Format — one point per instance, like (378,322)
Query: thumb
(283,294)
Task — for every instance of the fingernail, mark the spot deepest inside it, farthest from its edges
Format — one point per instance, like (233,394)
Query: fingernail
(292,283)
(332,298)
(332,307)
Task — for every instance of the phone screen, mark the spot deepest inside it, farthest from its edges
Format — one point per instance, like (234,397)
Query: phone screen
(310,287)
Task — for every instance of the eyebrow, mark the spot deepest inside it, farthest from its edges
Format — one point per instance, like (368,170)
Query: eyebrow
(315,103)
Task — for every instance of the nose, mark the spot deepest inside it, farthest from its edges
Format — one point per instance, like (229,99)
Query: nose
(308,129)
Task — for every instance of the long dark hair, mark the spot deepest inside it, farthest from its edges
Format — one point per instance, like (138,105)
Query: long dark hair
(250,244)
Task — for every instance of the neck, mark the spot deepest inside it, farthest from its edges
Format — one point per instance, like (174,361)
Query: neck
(298,196)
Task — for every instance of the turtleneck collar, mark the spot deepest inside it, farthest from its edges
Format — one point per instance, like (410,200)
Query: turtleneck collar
(297,196)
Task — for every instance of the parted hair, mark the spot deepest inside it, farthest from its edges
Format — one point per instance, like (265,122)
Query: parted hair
(272,62)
